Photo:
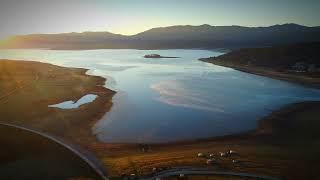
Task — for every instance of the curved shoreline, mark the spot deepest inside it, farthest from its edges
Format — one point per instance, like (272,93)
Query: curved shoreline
(128,158)
(301,80)
(247,143)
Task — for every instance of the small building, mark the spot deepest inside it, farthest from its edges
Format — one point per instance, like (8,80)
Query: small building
(201,155)
(211,161)
(299,67)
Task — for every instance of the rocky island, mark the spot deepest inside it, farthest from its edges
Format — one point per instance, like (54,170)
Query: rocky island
(157,56)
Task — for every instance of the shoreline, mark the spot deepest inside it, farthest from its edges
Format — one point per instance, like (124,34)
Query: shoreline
(259,149)
(28,87)
(251,145)
(46,84)
(289,77)
(304,81)
(266,150)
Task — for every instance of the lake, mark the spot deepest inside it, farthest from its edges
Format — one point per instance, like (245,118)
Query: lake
(161,100)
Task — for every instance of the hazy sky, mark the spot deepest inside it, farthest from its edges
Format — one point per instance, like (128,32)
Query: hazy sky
(133,16)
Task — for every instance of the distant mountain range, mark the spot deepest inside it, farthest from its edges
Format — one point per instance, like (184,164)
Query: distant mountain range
(173,37)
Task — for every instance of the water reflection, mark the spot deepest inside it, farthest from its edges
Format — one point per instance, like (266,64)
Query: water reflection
(173,99)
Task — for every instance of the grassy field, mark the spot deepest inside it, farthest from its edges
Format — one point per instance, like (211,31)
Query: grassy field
(28,155)
(27,88)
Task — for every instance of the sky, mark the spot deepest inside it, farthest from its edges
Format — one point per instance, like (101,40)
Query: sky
(133,16)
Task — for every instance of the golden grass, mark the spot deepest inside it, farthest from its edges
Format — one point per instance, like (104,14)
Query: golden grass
(27,88)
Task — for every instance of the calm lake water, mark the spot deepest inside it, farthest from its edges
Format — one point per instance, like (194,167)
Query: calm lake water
(161,100)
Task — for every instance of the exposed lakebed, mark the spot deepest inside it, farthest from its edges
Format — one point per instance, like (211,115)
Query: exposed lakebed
(173,99)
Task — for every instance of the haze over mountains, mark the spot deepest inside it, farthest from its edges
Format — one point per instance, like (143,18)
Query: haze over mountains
(173,37)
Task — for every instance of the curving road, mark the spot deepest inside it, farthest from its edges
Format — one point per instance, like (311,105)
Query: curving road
(205,171)
(85,156)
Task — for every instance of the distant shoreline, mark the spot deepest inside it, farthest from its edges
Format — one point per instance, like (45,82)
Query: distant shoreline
(302,80)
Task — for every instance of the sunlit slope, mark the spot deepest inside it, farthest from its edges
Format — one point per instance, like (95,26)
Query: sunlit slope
(27,88)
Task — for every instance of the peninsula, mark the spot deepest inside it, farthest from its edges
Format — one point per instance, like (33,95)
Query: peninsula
(298,63)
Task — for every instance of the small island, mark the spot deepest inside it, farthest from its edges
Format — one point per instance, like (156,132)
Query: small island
(157,56)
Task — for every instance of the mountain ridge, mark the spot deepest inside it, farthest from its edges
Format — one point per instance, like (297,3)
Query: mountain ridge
(172,37)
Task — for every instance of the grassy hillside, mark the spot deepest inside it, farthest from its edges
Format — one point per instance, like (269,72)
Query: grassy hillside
(27,88)
(297,63)
(278,57)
